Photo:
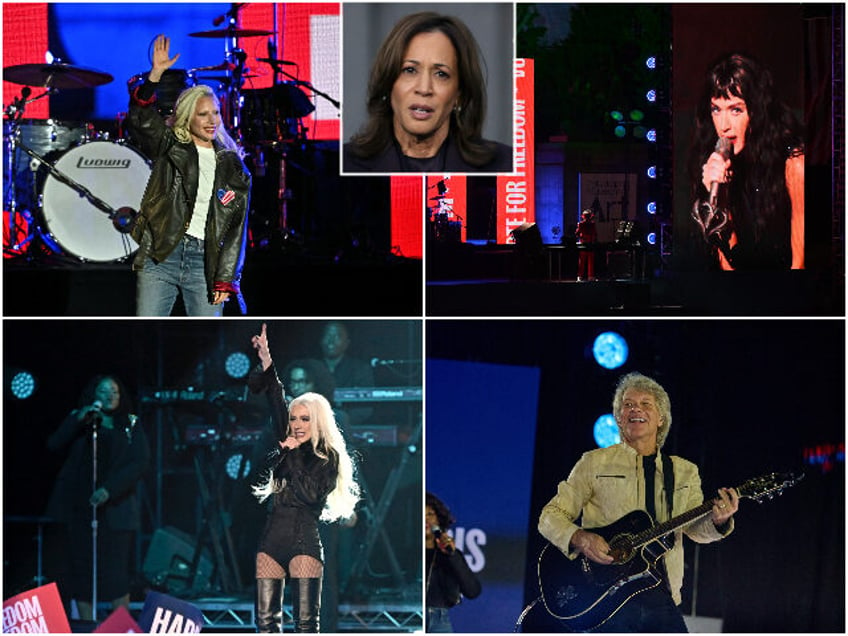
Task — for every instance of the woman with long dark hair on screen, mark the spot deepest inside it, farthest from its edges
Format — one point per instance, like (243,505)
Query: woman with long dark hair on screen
(311,479)
(747,170)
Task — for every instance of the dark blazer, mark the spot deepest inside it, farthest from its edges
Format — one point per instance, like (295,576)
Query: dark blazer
(389,160)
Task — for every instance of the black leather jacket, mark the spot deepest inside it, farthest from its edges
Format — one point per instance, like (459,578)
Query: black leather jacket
(168,200)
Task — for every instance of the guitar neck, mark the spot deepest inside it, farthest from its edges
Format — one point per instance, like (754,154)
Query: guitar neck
(671,525)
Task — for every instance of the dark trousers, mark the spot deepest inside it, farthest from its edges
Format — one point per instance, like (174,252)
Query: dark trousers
(651,611)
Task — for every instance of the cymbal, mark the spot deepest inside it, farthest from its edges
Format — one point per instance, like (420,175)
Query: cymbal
(57,75)
(221,78)
(230,33)
(223,66)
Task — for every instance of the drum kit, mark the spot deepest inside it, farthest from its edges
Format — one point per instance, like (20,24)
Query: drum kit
(75,191)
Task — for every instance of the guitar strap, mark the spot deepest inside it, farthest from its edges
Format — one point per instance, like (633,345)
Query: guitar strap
(668,483)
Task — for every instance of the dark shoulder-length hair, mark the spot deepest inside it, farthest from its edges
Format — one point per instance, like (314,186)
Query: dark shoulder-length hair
(87,397)
(466,123)
(774,133)
(443,513)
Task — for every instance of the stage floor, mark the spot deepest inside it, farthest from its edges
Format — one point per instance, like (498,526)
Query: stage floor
(273,284)
(501,280)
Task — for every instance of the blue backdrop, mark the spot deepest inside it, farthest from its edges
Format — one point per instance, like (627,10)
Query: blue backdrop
(481,433)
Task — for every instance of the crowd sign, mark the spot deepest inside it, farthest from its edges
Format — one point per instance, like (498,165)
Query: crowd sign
(38,611)
(163,614)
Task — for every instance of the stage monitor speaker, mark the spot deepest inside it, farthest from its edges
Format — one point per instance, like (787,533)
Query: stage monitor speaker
(168,563)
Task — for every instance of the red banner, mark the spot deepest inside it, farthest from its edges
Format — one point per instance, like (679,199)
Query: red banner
(38,611)
(516,200)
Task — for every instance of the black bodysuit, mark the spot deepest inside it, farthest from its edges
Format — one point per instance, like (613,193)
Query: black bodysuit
(292,525)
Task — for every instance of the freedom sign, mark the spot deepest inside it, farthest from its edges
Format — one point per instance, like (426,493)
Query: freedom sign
(38,611)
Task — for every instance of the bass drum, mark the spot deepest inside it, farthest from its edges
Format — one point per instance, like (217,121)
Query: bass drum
(112,172)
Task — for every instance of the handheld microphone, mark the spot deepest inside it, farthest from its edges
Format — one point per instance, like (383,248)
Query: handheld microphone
(97,404)
(722,147)
(437,533)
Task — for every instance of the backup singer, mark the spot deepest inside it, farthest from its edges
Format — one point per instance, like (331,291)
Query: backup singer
(312,478)
(449,578)
(192,225)
(122,457)
(607,483)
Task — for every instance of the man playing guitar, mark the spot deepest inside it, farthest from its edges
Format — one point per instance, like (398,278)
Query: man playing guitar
(632,585)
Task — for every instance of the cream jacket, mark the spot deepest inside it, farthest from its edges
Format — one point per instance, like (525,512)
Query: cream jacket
(607,483)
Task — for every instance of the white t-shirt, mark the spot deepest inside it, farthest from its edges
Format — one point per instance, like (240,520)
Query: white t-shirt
(205,191)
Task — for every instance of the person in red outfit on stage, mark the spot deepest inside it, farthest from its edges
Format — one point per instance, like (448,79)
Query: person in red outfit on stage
(587,234)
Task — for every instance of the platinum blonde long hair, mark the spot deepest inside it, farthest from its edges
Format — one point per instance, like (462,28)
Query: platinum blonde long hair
(326,440)
(184,110)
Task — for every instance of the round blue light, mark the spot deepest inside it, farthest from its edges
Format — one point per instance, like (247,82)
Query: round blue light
(652,238)
(606,431)
(237,365)
(610,350)
(652,172)
(652,207)
(233,464)
(652,134)
(651,62)
(23,385)
(651,95)
(620,131)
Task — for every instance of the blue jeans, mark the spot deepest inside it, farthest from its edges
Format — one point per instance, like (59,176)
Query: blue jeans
(182,272)
(651,611)
(438,621)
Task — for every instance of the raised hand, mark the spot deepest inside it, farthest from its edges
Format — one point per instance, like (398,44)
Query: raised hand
(260,343)
(162,59)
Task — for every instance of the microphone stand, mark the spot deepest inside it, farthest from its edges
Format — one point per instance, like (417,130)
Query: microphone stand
(94,426)
(308,85)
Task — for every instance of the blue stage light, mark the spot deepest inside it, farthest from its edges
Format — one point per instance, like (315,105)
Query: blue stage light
(234,463)
(610,350)
(651,95)
(606,431)
(652,135)
(652,172)
(652,238)
(651,62)
(652,207)
(22,385)
(237,365)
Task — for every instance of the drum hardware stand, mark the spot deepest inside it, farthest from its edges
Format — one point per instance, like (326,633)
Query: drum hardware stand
(15,112)
(378,516)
